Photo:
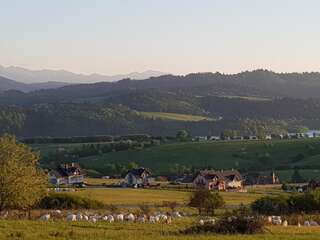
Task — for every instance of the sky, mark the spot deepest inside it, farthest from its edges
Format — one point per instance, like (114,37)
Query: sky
(176,36)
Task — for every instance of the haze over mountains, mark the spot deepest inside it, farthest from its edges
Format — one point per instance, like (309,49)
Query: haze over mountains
(43,76)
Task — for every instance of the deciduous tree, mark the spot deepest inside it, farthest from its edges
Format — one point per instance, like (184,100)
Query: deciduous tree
(22,183)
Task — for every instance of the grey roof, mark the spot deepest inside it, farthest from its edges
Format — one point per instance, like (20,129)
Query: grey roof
(228,175)
(139,171)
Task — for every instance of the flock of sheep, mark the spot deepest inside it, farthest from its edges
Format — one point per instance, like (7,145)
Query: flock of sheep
(276,220)
(158,217)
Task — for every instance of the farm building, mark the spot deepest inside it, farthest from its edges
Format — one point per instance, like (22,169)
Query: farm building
(138,177)
(67,174)
(219,180)
(258,179)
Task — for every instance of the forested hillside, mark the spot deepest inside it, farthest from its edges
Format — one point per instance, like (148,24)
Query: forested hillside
(257,102)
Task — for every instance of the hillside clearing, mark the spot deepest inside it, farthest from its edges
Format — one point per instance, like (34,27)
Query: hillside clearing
(175,116)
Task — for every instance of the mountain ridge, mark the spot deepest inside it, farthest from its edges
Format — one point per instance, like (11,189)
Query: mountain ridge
(25,75)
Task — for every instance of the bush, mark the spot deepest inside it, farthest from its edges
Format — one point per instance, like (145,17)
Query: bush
(271,205)
(66,201)
(238,222)
(298,203)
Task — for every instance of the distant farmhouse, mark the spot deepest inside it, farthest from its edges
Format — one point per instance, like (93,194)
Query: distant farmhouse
(67,174)
(258,179)
(219,180)
(138,177)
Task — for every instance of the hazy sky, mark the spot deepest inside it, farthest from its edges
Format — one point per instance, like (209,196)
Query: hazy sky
(177,36)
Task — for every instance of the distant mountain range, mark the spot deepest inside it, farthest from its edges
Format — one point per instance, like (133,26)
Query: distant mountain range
(43,76)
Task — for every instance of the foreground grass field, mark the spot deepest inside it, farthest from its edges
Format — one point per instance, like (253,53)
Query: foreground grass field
(36,230)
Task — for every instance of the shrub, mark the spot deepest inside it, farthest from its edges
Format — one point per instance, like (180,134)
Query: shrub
(308,202)
(238,222)
(298,203)
(66,201)
(271,205)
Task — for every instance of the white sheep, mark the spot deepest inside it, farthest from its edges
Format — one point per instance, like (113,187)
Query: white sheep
(58,212)
(45,217)
(276,220)
(285,223)
(306,223)
(71,218)
(176,214)
(269,219)
(169,220)
(141,219)
(152,219)
(110,219)
(79,217)
(201,222)
(130,217)
(93,219)
(85,217)
(313,223)
(120,217)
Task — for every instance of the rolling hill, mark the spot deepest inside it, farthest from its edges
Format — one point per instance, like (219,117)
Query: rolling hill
(258,102)
(248,156)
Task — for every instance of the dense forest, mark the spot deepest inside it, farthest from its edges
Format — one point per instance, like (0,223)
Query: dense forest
(246,103)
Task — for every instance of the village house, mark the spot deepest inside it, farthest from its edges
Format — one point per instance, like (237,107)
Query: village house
(67,174)
(219,180)
(258,179)
(138,177)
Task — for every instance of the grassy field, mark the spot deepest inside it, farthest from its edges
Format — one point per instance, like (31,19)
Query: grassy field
(128,196)
(219,155)
(175,116)
(34,230)
(101,181)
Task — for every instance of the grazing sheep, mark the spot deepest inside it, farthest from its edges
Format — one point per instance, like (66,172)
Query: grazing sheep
(269,219)
(110,219)
(276,220)
(176,214)
(120,217)
(285,223)
(85,217)
(58,212)
(71,218)
(307,224)
(45,217)
(93,219)
(313,223)
(141,219)
(130,217)
(152,219)
(201,222)
(79,217)
(163,217)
